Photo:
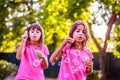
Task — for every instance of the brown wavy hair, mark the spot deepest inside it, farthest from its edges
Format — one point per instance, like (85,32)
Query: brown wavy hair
(39,27)
(74,26)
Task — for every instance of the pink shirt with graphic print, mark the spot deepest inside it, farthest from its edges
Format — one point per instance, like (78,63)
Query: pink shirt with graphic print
(73,64)
(30,66)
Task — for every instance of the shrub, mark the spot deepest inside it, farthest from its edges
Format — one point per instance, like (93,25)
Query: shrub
(7,69)
(94,76)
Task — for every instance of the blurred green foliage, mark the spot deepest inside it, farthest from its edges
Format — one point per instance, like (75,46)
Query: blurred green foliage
(55,16)
(95,75)
(15,15)
(7,69)
(117,42)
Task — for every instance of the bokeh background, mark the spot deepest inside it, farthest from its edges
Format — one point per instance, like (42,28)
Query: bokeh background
(56,17)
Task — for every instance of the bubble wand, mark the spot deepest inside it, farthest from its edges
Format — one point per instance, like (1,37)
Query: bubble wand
(36,62)
(37,51)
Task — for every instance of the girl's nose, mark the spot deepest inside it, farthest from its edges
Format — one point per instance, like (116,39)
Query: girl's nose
(35,33)
(80,32)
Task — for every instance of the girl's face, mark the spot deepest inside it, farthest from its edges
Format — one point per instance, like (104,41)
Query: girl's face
(79,34)
(34,35)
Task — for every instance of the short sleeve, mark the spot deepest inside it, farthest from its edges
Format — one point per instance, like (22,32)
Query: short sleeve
(65,47)
(89,53)
(46,51)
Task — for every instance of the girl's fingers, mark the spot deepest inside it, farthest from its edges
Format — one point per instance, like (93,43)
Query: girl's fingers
(70,40)
(25,36)
(90,63)
(39,53)
(26,33)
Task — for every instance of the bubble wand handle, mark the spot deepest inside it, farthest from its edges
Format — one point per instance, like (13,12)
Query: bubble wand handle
(37,51)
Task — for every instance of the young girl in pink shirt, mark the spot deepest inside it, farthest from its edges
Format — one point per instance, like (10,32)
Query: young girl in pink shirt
(76,61)
(33,54)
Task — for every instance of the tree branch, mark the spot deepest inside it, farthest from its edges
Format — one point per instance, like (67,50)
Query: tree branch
(110,23)
(94,39)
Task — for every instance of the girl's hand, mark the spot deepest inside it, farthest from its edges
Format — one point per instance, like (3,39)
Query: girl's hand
(68,40)
(89,67)
(40,54)
(25,36)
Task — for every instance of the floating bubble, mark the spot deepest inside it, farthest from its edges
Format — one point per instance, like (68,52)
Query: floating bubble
(59,63)
(53,63)
(87,59)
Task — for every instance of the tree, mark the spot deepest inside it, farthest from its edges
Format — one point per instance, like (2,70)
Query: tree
(55,24)
(16,15)
(110,8)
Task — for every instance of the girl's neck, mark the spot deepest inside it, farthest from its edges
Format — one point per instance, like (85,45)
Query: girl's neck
(78,45)
(35,43)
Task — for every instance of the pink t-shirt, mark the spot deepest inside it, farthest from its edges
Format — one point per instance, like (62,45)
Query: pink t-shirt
(73,64)
(30,66)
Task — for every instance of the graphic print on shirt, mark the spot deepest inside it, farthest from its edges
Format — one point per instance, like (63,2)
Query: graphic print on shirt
(36,61)
(73,59)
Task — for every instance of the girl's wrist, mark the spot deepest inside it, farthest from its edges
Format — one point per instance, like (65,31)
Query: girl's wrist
(89,70)
(63,44)
(23,42)
(43,56)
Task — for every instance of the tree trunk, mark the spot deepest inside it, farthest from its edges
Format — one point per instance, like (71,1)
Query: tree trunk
(102,50)
(102,61)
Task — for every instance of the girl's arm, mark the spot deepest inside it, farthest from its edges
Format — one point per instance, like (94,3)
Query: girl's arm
(58,52)
(45,62)
(44,59)
(21,48)
(89,67)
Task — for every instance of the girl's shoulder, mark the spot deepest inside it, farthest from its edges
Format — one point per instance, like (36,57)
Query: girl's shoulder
(67,46)
(44,46)
(88,52)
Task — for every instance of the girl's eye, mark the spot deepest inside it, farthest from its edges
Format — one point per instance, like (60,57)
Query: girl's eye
(32,31)
(38,32)
(77,31)
(83,31)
